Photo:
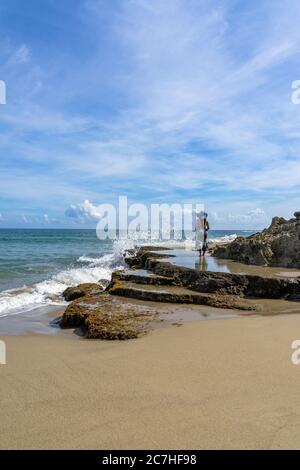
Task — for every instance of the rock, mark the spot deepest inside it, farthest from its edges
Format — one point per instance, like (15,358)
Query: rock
(150,279)
(117,325)
(72,293)
(102,317)
(78,310)
(138,260)
(176,295)
(277,245)
(107,315)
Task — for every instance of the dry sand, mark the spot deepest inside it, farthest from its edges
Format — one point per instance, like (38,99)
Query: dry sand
(225,383)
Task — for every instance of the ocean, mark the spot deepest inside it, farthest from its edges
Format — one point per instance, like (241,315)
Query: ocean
(37,265)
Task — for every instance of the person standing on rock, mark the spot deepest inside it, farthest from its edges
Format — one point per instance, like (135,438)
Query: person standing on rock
(199,232)
(205,236)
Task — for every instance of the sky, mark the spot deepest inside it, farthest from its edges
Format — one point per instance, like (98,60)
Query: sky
(163,101)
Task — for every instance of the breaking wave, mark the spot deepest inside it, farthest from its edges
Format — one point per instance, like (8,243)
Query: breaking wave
(48,292)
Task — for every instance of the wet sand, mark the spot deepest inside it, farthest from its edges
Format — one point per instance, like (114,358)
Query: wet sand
(45,320)
(216,384)
(41,320)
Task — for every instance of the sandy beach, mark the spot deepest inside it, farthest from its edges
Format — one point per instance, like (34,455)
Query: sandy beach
(226,383)
(149,225)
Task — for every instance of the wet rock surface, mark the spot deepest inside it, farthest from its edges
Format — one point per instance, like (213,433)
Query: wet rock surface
(110,315)
(241,285)
(277,245)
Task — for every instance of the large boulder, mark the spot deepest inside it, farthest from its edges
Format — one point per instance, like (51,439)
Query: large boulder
(277,245)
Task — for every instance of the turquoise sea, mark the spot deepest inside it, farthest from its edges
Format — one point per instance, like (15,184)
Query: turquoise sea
(37,265)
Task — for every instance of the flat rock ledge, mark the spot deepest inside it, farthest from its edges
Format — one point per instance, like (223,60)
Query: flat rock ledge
(239,285)
(122,285)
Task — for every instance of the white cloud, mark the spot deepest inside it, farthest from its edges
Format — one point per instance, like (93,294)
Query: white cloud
(205,107)
(84,212)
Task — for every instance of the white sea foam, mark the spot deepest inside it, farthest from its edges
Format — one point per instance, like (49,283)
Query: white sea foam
(224,239)
(48,292)
(88,269)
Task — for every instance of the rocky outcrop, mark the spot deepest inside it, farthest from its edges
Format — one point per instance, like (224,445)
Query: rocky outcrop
(110,314)
(277,245)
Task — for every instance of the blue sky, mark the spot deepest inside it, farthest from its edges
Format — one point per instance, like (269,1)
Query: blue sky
(162,101)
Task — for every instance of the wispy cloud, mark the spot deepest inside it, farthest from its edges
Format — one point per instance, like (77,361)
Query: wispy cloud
(174,100)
